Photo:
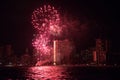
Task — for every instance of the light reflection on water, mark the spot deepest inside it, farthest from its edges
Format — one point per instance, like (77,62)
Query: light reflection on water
(48,73)
(59,73)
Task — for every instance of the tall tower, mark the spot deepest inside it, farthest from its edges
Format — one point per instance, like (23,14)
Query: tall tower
(61,51)
(57,52)
(54,52)
(101,50)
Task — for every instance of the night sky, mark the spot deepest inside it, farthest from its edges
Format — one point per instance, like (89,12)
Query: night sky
(98,18)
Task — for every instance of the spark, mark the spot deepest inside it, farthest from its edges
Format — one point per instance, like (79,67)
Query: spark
(46,20)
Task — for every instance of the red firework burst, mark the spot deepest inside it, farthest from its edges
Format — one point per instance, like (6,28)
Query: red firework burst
(44,17)
(46,20)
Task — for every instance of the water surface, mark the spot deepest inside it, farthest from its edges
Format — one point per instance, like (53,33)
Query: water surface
(59,73)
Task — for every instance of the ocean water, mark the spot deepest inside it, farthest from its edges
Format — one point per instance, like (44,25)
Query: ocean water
(60,73)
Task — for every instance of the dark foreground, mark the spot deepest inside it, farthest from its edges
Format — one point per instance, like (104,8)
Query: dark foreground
(60,73)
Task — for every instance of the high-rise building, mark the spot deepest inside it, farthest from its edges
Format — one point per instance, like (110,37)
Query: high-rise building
(101,50)
(94,56)
(61,51)
(1,53)
(8,50)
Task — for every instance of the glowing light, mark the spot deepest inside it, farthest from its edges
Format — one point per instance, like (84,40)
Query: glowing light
(46,72)
(54,55)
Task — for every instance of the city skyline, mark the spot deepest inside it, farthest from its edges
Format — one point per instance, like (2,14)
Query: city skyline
(97,19)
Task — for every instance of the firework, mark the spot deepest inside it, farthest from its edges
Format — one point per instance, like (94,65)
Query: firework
(46,21)
(46,18)
(50,25)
